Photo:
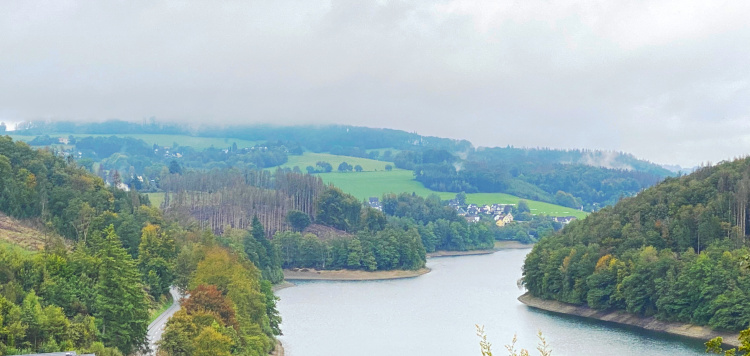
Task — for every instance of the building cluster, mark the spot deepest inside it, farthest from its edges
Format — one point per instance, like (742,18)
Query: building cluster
(166,152)
(501,213)
(374,203)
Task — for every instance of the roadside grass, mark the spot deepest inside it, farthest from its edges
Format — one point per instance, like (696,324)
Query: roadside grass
(198,143)
(310,158)
(164,303)
(374,184)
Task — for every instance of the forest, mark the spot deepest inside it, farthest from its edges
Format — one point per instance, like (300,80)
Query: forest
(585,179)
(337,139)
(566,178)
(675,252)
(132,157)
(317,226)
(108,261)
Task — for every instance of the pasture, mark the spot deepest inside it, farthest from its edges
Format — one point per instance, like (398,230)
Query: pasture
(374,184)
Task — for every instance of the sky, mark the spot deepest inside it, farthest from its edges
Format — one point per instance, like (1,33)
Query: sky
(668,81)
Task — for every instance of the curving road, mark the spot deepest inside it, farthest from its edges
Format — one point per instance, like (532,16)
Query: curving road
(156,328)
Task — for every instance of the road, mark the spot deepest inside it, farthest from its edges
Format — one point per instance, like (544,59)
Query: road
(156,328)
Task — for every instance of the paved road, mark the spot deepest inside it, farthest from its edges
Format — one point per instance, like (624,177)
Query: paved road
(156,328)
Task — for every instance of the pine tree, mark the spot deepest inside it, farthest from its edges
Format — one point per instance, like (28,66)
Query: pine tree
(121,306)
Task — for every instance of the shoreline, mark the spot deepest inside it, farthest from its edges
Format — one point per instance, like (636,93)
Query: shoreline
(499,246)
(281,285)
(310,274)
(437,254)
(624,318)
(350,275)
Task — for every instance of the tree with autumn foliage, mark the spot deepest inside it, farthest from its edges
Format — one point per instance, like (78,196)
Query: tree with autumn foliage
(207,298)
(228,311)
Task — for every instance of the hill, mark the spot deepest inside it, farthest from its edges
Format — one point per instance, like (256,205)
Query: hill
(96,296)
(674,251)
(374,184)
(587,179)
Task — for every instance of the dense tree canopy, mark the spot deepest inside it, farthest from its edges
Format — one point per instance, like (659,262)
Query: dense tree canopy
(229,311)
(95,293)
(674,251)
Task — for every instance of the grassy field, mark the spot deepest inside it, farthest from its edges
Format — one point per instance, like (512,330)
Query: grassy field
(156,199)
(310,158)
(199,143)
(374,184)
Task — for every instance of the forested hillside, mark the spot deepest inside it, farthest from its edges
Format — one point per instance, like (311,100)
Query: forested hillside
(675,251)
(287,203)
(569,178)
(572,178)
(95,291)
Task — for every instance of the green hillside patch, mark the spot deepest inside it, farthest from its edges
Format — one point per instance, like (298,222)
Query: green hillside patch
(537,207)
(156,199)
(374,184)
(17,236)
(310,158)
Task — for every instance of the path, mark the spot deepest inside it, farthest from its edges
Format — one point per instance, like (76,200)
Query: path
(156,328)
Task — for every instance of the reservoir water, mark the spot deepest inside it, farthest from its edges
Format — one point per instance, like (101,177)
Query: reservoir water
(435,314)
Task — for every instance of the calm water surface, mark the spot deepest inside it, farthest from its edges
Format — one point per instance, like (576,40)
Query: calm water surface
(434,314)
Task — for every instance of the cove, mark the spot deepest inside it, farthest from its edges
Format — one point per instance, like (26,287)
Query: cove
(434,314)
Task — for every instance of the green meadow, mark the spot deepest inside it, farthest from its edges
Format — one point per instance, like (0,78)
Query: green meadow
(310,158)
(156,199)
(374,184)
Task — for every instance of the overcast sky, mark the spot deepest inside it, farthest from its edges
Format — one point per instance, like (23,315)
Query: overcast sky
(668,81)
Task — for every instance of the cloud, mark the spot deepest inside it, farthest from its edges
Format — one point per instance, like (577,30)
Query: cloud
(665,80)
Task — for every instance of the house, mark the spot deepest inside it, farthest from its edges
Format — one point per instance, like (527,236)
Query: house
(503,219)
(565,220)
(63,140)
(461,212)
(500,208)
(471,219)
(374,203)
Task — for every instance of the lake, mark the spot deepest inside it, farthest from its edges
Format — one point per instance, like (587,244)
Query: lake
(435,314)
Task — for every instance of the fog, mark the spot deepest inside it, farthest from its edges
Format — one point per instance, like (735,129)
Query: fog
(664,80)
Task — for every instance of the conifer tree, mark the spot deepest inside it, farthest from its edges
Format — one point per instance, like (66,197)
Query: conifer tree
(121,306)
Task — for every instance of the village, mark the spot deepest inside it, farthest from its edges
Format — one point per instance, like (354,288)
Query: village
(501,214)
